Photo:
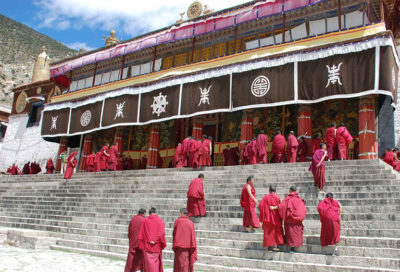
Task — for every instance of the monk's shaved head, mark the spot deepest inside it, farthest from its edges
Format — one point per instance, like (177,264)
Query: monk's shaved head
(272,189)
(201,176)
(292,188)
(250,178)
(153,210)
(330,195)
(142,211)
(184,211)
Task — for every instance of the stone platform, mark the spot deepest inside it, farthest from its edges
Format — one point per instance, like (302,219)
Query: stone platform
(91,213)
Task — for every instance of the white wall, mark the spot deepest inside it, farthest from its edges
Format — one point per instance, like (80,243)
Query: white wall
(22,144)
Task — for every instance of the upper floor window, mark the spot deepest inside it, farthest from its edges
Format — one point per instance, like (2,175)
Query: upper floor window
(34,115)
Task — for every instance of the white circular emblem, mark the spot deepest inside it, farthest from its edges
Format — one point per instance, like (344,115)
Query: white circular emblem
(260,86)
(394,78)
(159,104)
(85,118)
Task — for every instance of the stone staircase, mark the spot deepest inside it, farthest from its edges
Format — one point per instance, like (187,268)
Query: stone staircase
(91,213)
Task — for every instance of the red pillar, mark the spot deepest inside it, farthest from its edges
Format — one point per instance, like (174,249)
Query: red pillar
(152,157)
(118,138)
(246,132)
(62,147)
(304,127)
(368,144)
(197,131)
(86,150)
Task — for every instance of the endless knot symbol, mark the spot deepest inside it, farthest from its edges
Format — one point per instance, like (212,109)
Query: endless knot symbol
(333,74)
(54,122)
(85,118)
(260,86)
(394,78)
(119,112)
(204,96)
(159,104)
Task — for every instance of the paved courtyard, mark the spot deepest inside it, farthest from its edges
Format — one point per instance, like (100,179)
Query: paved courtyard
(13,259)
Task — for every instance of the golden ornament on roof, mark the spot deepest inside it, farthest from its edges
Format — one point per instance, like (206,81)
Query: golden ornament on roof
(20,104)
(112,39)
(194,10)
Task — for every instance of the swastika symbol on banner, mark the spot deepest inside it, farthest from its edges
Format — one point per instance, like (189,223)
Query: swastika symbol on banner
(85,118)
(54,122)
(260,86)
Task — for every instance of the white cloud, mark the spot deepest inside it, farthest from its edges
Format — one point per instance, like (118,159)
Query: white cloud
(131,17)
(79,45)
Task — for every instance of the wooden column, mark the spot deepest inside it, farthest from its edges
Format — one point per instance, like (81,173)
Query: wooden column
(197,131)
(304,127)
(368,144)
(246,132)
(154,145)
(86,150)
(62,147)
(118,138)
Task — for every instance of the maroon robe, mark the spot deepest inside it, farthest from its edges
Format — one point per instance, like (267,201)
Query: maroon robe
(261,147)
(331,144)
(129,163)
(112,160)
(184,151)
(292,148)
(208,160)
(250,153)
(328,210)
(271,221)
(134,260)
(318,171)
(184,245)
(355,150)
(228,157)
(90,163)
(103,158)
(204,153)
(249,207)
(194,146)
(35,168)
(196,204)
(343,139)
(302,151)
(71,164)
(316,143)
(13,170)
(389,158)
(278,148)
(293,211)
(97,161)
(49,167)
(177,160)
(26,170)
(152,242)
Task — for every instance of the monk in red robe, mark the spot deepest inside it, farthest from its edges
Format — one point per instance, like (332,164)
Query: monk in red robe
(35,168)
(134,261)
(278,147)
(302,150)
(194,153)
(26,170)
(71,164)
(293,211)
(143,162)
(90,162)
(250,153)
(177,160)
(209,161)
(50,166)
(13,170)
(330,211)
(196,203)
(228,156)
(112,160)
(248,202)
(356,148)
(261,147)
(292,146)
(185,151)
(97,161)
(317,167)
(270,219)
(152,242)
(204,152)
(104,157)
(331,144)
(391,159)
(184,243)
(343,139)
(316,143)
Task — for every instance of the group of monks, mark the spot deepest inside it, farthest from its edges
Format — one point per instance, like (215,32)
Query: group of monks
(193,153)
(147,240)
(31,168)
(292,211)
(337,141)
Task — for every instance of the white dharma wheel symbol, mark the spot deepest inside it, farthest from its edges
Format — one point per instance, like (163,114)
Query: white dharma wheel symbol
(260,86)
(85,118)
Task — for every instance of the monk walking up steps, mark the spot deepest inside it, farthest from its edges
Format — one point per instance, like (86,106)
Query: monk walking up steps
(261,147)
(134,261)
(293,211)
(196,203)
(184,243)
(278,147)
(271,221)
(317,167)
(248,202)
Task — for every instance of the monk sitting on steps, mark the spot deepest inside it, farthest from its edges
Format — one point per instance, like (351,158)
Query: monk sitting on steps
(196,203)
(248,202)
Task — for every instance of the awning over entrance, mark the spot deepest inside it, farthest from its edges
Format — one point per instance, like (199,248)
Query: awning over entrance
(342,71)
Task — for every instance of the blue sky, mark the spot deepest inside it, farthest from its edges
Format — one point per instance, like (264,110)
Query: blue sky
(82,23)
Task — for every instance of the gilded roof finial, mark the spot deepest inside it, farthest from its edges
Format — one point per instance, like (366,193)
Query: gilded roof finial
(182,19)
(111,40)
(41,68)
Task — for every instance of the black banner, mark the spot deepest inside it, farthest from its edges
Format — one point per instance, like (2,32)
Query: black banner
(55,122)
(120,109)
(85,118)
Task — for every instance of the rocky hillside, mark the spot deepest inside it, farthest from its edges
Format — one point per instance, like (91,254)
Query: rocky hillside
(19,45)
